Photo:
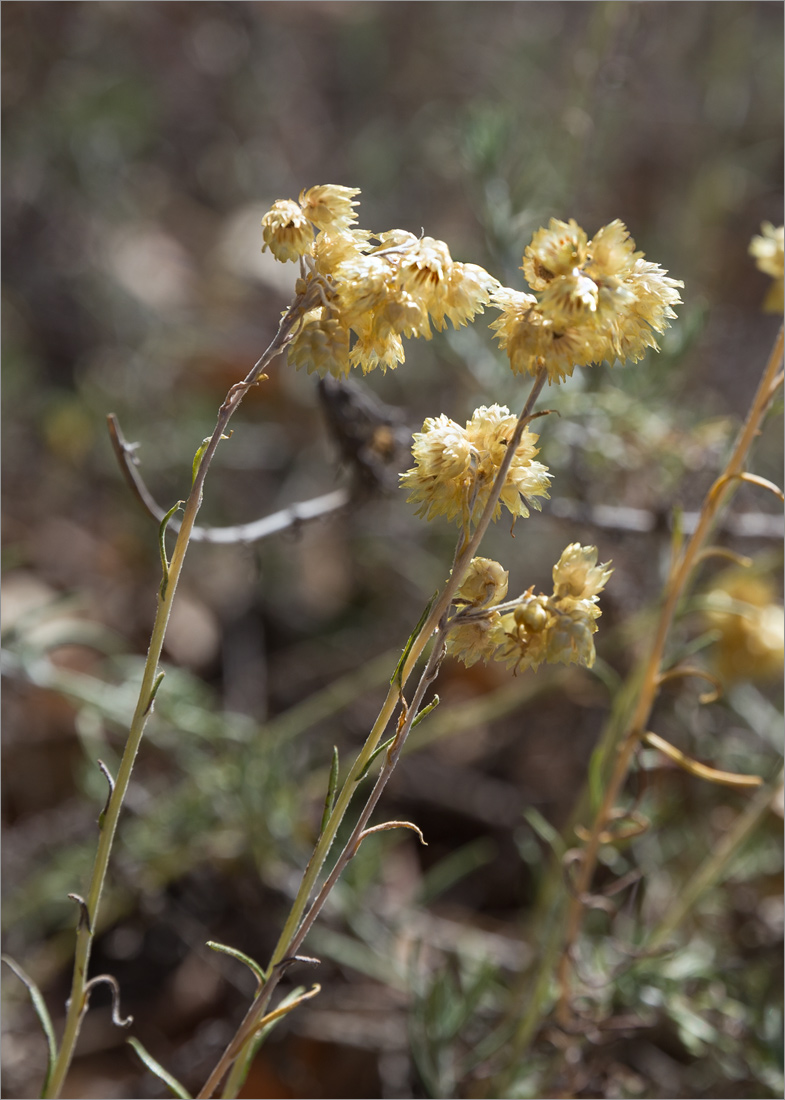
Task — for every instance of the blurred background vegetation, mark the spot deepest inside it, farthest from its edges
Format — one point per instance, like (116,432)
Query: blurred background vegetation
(142,144)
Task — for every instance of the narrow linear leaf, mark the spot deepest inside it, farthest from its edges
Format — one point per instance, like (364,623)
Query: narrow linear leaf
(252,1047)
(376,752)
(545,831)
(386,826)
(198,457)
(162,545)
(41,1011)
(162,1074)
(286,1006)
(702,771)
(332,787)
(158,681)
(425,711)
(252,965)
(396,676)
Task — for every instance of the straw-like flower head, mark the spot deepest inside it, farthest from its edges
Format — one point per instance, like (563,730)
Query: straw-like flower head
(321,345)
(286,231)
(594,300)
(748,618)
(769,257)
(484,585)
(456,467)
(476,639)
(556,250)
(330,206)
(577,575)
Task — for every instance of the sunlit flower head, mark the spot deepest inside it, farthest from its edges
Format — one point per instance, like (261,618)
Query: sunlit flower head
(286,231)
(321,346)
(557,250)
(768,252)
(577,575)
(330,206)
(459,487)
(484,585)
(593,300)
(748,618)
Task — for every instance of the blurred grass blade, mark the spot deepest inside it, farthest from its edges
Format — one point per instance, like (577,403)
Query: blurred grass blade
(252,965)
(171,1082)
(545,831)
(41,1011)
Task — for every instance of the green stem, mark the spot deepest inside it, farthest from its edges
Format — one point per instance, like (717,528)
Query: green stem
(78,1002)
(465,551)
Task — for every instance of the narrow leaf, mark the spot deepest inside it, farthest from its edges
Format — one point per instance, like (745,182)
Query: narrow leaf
(198,457)
(545,831)
(425,712)
(396,676)
(386,826)
(41,1011)
(162,545)
(259,974)
(379,749)
(155,1067)
(332,787)
(154,691)
(694,767)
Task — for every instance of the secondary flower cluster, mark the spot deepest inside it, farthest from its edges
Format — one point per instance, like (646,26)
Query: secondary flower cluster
(535,629)
(366,291)
(593,300)
(456,467)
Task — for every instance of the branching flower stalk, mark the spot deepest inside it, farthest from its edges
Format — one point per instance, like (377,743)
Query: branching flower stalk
(357,296)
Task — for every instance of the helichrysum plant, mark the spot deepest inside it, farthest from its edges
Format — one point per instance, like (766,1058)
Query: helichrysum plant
(358,296)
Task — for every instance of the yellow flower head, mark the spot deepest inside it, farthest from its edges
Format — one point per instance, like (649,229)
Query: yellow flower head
(749,620)
(286,231)
(593,300)
(321,345)
(576,574)
(769,257)
(484,585)
(455,467)
(557,250)
(330,206)
(476,639)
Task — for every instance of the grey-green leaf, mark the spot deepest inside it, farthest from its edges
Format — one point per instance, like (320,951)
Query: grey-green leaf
(41,1011)
(155,1067)
(252,965)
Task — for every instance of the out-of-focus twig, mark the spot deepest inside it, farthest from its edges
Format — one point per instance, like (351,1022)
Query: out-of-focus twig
(255,531)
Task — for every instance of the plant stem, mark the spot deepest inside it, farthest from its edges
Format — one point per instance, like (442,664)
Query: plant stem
(293,933)
(78,1001)
(681,569)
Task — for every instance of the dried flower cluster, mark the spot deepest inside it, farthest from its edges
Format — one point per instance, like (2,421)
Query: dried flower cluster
(770,258)
(366,291)
(748,619)
(456,467)
(535,629)
(360,294)
(593,300)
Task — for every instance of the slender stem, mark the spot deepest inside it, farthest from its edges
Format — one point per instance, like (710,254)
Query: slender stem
(78,1002)
(674,589)
(465,551)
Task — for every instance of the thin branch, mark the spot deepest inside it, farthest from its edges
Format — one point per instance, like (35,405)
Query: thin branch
(254,531)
